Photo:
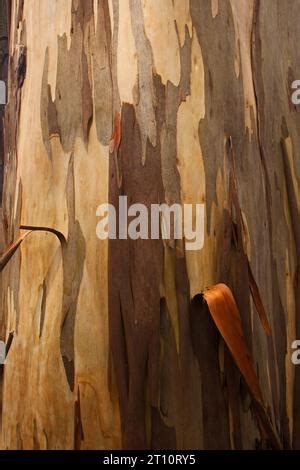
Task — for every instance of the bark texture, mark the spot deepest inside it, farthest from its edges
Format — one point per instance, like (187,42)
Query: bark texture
(3,77)
(113,345)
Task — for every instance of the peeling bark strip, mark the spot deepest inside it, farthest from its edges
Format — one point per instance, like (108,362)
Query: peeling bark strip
(180,101)
(226,316)
(8,254)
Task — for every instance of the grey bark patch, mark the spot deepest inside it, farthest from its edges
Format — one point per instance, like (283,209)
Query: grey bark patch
(68,95)
(145,105)
(2,92)
(70,112)
(73,252)
(48,112)
(44,105)
(102,64)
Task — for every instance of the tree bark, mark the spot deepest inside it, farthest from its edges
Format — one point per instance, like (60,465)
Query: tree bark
(3,78)
(113,344)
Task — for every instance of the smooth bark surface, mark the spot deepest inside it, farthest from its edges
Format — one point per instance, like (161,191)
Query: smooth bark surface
(113,345)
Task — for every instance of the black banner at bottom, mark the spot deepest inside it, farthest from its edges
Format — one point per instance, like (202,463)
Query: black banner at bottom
(132,459)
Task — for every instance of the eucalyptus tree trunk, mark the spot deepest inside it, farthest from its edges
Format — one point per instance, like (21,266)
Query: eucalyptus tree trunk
(176,101)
